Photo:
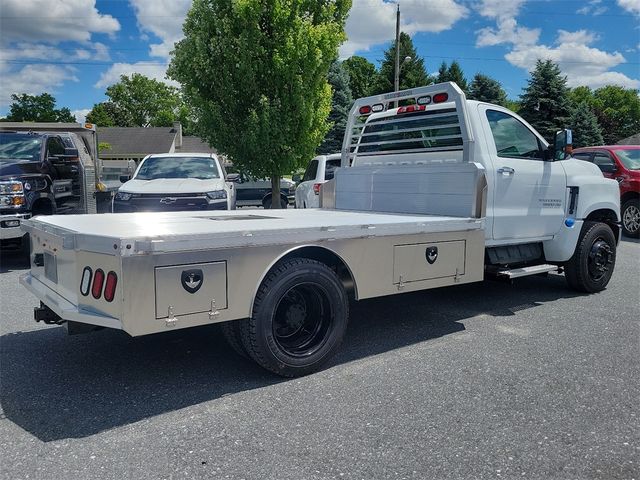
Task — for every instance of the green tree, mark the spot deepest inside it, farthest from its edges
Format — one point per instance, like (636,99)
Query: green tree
(340,104)
(143,102)
(581,94)
(362,73)
(255,73)
(618,112)
(412,71)
(545,100)
(37,108)
(586,131)
(486,89)
(105,114)
(452,73)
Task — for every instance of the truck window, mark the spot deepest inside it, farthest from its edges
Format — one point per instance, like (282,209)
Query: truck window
(19,146)
(602,159)
(311,172)
(55,147)
(582,156)
(203,168)
(512,138)
(330,168)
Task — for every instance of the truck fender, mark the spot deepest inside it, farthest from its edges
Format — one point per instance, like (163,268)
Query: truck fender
(315,252)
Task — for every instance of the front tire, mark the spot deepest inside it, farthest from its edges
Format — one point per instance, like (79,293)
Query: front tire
(631,218)
(591,266)
(299,318)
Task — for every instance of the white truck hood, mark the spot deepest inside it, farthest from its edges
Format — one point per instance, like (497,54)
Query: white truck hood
(173,185)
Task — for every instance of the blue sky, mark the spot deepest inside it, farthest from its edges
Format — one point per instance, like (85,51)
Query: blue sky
(74,49)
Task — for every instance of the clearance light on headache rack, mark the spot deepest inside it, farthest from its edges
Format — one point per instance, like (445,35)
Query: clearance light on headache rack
(365,110)
(426,100)
(378,107)
(440,97)
(411,108)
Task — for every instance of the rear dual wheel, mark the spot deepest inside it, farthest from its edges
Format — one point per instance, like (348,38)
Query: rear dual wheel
(299,319)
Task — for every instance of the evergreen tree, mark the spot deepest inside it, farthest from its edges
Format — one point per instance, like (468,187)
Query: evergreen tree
(412,71)
(486,89)
(362,74)
(443,73)
(545,101)
(452,73)
(340,105)
(586,131)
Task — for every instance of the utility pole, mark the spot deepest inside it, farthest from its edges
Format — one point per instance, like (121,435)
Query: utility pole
(396,82)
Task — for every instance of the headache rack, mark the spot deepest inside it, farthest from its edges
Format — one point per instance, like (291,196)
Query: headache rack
(429,119)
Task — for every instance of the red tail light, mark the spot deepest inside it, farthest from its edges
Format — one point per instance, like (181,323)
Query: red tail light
(316,188)
(366,110)
(440,97)
(412,108)
(110,286)
(98,281)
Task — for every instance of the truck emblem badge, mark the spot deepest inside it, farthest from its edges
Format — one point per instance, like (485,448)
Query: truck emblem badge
(432,255)
(192,280)
(168,200)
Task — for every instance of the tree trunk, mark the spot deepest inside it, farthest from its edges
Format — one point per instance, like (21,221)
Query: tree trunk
(275,192)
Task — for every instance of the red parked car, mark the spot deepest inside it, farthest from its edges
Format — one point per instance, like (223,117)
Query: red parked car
(622,163)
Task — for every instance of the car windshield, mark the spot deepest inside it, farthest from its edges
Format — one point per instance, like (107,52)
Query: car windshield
(629,158)
(15,146)
(202,168)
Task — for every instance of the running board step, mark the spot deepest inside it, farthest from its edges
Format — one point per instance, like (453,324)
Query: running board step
(527,271)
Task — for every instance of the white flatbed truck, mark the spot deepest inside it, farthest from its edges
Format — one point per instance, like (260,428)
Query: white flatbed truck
(435,193)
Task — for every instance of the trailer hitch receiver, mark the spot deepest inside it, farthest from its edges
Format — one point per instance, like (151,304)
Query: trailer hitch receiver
(46,315)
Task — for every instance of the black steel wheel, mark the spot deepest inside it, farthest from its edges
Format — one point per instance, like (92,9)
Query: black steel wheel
(299,318)
(631,218)
(591,266)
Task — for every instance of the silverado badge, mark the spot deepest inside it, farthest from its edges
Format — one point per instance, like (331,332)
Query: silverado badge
(432,255)
(192,280)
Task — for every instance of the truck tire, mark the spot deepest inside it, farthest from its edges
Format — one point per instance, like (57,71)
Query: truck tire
(591,266)
(231,333)
(631,218)
(299,319)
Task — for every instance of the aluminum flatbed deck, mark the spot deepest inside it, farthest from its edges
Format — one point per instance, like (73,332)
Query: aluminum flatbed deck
(139,233)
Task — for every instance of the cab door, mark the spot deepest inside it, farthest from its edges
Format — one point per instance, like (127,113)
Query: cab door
(529,193)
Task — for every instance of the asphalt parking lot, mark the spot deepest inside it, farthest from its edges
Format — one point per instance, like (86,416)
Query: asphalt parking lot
(479,381)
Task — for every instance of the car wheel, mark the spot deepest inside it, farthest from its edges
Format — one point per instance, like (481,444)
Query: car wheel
(631,218)
(299,318)
(591,266)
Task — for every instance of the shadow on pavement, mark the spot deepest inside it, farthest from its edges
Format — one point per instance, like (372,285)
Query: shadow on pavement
(11,260)
(56,387)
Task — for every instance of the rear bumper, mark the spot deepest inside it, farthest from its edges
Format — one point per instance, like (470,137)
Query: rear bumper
(8,228)
(63,308)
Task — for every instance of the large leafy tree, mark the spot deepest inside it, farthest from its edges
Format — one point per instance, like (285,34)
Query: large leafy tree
(141,101)
(586,131)
(486,89)
(106,114)
(340,105)
(37,108)
(412,71)
(452,73)
(618,112)
(545,101)
(255,73)
(362,74)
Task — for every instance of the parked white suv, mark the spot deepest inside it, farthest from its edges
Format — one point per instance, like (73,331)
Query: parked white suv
(320,170)
(177,181)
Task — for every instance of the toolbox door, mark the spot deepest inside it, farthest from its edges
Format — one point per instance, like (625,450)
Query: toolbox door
(190,288)
(428,261)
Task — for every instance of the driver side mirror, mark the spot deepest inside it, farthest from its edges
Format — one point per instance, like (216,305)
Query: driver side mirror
(562,144)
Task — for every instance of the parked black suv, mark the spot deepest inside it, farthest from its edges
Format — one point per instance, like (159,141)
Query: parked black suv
(257,192)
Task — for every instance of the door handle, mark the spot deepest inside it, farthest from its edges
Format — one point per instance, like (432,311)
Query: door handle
(506,171)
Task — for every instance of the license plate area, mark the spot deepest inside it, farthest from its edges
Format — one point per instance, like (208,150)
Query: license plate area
(50,267)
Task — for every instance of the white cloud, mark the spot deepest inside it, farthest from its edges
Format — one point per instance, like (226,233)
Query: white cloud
(149,69)
(23,51)
(81,115)
(593,8)
(32,79)
(373,22)
(499,8)
(53,21)
(508,31)
(582,64)
(164,19)
(632,6)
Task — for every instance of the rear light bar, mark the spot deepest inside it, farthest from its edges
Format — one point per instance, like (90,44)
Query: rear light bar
(367,109)
(411,108)
(94,283)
